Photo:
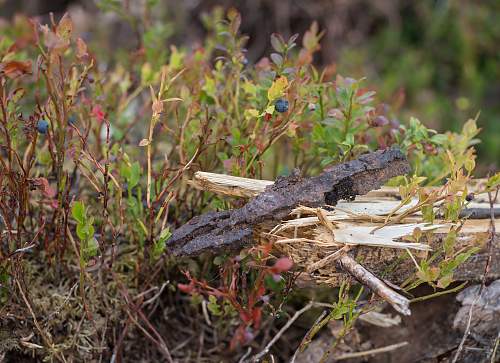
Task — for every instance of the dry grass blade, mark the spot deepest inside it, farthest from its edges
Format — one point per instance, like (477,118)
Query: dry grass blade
(385,349)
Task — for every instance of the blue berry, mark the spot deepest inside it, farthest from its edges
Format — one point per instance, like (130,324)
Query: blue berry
(42,126)
(281,105)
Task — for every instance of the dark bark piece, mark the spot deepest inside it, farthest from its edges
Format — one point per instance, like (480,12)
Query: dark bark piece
(234,229)
(479,213)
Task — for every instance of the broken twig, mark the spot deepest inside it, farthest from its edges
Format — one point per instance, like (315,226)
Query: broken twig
(365,277)
(385,349)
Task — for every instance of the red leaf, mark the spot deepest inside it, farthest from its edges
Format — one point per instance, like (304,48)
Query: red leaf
(238,338)
(65,27)
(44,186)
(228,164)
(186,288)
(14,69)
(282,264)
(81,49)
(261,291)
(245,317)
(98,113)
(53,41)
(257,317)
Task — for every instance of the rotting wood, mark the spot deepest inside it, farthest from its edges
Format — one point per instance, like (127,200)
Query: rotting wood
(234,229)
(378,202)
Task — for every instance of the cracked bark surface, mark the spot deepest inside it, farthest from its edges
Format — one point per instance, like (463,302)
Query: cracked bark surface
(234,229)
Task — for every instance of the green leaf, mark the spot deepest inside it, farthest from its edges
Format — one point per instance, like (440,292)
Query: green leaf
(250,88)
(470,129)
(449,242)
(218,260)
(277,43)
(427,273)
(90,230)
(78,211)
(349,139)
(125,171)
(158,248)
(493,182)
(469,164)
(277,89)
(277,59)
(176,59)
(251,113)
(439,139)
(81,231)
(147,74)
(444,281)
(213,307)
(428,213)
(209,87)
(91,248)
(135,174)
(165,234)
(269,109)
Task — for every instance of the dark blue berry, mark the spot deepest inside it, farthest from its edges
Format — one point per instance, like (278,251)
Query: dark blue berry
(42,126)
(72,119)
(281,105)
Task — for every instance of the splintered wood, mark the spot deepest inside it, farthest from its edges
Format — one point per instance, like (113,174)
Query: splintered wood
(236,228)
(306,238)
(341,224)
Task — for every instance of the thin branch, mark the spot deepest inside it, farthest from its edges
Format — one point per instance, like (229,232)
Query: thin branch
(308,336)
(259,356)
(385,349)
(397,301)
(494,352)
(234,229)
(439,293)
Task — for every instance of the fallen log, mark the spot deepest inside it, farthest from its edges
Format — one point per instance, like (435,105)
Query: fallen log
(394,264)
(234,229)
(320,239)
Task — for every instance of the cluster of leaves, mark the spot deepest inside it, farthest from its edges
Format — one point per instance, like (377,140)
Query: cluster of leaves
(248,285)
(85,232)
(120,144)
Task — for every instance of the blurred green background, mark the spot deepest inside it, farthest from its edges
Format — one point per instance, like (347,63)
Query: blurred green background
(435,60)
